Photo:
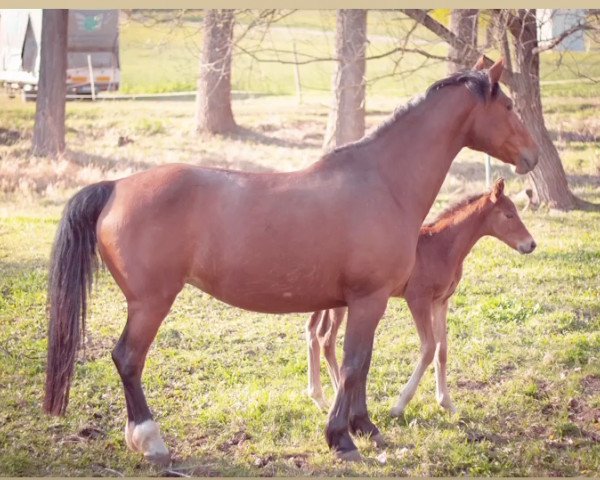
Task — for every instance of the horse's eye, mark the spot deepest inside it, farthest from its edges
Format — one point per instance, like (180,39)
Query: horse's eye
(509,215)
(509,106)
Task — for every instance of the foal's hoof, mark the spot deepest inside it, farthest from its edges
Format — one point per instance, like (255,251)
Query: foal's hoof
(349,456)
(451,409)
(378,440)
(321,403)
(397,412)
(162,459)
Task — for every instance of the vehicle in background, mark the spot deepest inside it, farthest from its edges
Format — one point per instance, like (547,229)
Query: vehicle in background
(92,52)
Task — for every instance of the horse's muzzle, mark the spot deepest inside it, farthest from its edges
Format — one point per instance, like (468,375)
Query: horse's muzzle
(528,161)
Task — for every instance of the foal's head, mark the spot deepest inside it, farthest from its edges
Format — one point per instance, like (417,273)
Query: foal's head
(503,222)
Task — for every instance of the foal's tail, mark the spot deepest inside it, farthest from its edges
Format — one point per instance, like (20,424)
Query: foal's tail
(72,266)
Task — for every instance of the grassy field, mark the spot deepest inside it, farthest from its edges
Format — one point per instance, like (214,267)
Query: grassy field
(227,386)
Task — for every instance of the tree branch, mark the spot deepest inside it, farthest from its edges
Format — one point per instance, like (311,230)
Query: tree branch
(557,40)
(471,54)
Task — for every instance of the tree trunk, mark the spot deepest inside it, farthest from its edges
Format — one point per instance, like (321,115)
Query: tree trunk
(49,128)
(213,100)
(346,121)
(548,178)
(463,23)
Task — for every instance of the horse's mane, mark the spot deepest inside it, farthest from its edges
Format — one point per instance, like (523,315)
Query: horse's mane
(477,81)
(455,212)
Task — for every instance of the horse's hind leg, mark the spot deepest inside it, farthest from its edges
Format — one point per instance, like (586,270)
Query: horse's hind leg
(143,320)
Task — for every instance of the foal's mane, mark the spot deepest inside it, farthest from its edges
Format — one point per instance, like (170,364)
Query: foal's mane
(477,81)
(454,213)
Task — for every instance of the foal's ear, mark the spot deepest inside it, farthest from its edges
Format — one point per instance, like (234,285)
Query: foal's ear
(497,190)
(480,65)
(495,71)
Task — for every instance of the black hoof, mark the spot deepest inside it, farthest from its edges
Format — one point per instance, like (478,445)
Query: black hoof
(340,441)
(378,440)
(362,426)
(351,456)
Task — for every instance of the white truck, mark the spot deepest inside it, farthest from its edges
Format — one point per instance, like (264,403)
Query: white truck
(92,52)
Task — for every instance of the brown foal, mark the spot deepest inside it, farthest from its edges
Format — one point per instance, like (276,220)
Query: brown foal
(441,250)
(248,239)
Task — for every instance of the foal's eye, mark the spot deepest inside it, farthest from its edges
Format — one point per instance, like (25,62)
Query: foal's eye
(509,106)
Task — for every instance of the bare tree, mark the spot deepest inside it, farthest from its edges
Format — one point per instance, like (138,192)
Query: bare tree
(522,77)
(213,101)
(463,23)
(49,128)
(548,179)
(346,120)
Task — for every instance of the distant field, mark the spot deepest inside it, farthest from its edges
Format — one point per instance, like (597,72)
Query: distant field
(172,54)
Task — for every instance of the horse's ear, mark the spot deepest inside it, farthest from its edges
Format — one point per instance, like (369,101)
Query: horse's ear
(480,65)
(497,190)
(495,71)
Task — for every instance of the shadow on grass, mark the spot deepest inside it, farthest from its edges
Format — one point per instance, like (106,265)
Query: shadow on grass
(247,134)
(264,465)
(85,159)
(13,269)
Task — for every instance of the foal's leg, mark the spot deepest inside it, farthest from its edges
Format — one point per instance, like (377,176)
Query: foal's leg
(363,317)
(441,355)
(315,389)
(328,341)
(421,310)
(144,319)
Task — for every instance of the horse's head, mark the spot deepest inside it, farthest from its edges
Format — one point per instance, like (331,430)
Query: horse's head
(496,129)
(504,223)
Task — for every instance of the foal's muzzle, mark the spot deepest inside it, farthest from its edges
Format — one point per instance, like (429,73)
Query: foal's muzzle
(527,247)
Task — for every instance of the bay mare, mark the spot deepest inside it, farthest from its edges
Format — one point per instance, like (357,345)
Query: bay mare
(342,232)
(441,250)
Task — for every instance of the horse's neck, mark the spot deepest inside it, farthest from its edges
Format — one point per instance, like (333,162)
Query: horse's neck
(415,154)
(461,237)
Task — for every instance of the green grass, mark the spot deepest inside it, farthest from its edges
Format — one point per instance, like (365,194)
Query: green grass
(227,385)
(524,333)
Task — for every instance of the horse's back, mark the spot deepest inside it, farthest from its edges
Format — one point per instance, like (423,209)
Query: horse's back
(268,242)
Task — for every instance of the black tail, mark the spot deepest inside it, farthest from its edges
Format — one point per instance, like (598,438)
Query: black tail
(72,266)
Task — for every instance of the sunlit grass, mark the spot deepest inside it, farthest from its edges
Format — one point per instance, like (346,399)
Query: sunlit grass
(227,385)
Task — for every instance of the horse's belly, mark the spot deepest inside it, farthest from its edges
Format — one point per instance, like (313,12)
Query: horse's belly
(295,291)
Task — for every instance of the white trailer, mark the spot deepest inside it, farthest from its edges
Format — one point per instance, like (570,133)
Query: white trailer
(92,52)
(553,23)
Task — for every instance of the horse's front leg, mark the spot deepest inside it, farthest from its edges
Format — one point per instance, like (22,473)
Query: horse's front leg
(350,409)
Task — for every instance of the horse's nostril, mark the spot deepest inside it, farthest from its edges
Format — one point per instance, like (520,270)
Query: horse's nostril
(533,245)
